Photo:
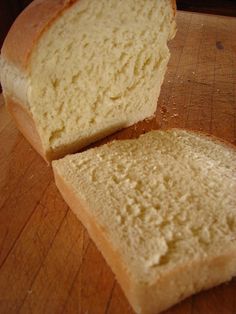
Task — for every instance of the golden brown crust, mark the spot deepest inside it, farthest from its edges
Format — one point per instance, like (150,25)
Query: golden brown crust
(25,124)
(28,27)
(174,6)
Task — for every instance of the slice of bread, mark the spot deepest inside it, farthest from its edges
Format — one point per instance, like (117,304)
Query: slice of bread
(162,210)
(75,71)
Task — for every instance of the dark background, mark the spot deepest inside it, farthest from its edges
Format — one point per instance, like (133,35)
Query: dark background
(9,9)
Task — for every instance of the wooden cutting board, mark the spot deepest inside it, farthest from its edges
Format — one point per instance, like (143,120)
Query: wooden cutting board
(48,264)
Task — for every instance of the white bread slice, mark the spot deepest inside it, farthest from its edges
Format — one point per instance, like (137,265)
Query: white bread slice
(162,210)
(75,71)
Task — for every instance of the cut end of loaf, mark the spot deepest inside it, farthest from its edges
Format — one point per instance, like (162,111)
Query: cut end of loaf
(167,205)
(106,74)
(96,68)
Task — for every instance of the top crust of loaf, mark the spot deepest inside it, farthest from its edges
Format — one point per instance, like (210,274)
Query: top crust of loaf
(30,25)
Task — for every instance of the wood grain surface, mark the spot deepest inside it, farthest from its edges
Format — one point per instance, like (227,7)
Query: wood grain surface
(48,264)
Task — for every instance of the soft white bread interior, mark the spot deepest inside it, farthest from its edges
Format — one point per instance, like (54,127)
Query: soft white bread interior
(95,68)
(162,210)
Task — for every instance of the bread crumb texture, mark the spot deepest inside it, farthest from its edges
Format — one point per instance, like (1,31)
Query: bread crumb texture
(165,200)
(99,67)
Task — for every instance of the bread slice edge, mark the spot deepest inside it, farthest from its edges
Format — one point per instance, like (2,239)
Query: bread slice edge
(169,288)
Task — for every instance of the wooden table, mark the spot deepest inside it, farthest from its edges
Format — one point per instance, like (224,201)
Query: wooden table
(48,264)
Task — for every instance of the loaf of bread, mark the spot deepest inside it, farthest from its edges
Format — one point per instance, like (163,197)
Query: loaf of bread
(75,71)
(162,210)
